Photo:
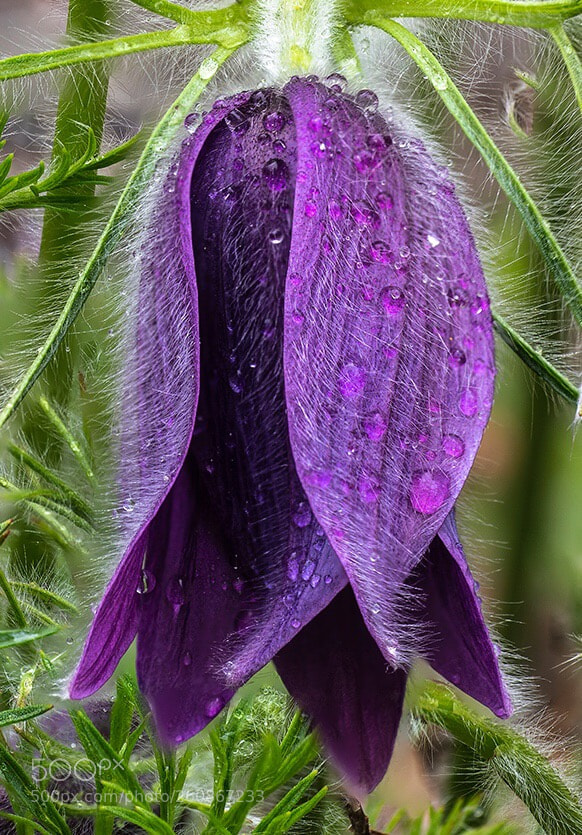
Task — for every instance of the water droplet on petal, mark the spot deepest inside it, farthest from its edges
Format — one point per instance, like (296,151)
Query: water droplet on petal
(352,380)
(295,623)
(302,516)
(368,100)
(276,235)
(276,174)
(307,571)
(213,707)
(327,579)
(191,122)
(315,580)
(175,591)
(187,659)
(453,446)
(457,358)
(381,252)
(147,582)
(392,299)
(468,403)
(292,568)
(375,426)
(429,491)
(274,122)
(432,241)
(237,121)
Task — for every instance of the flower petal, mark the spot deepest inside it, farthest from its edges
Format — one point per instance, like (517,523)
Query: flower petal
(161,383)
(388,345)
(460,648)
(113,628)
(242,212)
(193,598)
(337,674)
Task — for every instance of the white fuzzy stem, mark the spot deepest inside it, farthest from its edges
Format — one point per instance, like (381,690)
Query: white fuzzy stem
(296,36)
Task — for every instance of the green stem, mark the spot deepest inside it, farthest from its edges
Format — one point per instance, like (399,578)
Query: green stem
(535,360)
(118,222)
(512,757)
(534,15)
(571,58)
(217,31)
(504,174)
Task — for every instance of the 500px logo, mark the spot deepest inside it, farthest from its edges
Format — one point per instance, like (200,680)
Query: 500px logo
(83,770)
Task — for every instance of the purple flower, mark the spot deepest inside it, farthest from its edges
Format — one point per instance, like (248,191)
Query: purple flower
(312,374)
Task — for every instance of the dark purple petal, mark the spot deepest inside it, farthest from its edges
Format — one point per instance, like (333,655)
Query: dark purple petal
(337,674)
(242,214)
(388,345)
(113,628)
(460,648)
(159,398)
(194,599)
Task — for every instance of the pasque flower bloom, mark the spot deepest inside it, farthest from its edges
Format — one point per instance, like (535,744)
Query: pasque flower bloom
(313,371)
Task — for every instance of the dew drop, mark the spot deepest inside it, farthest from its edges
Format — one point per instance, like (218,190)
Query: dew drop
(147,582)
(207,68)
(276,174)
(381,252)
(453,446)
(432,241)
(392,299)
(292,568)
(468,403)
(327,579)
(368,100)
(375,426)
(274,122)
(307,571)
(276,236)
(302,516)
(237,121)
(187,658)
(352,380)
(457,296)
(310,208)
(429,491)
(213,707)
(315,581)
(295,623)
(191,122)
(457,358)
(175,591)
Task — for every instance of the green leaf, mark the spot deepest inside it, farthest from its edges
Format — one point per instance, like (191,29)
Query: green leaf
(571,59)
(21,786)
(16,637)
(140,817)
(22,714)
(46,595)
(121,714)
(452,97)
(158,142)
(287,802)
(109,764)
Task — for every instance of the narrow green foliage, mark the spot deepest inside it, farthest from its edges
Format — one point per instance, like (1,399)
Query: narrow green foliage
(23,792)
(510,756)
(16,637)
(571,59)
(22,714)
(67,436)
(535,360)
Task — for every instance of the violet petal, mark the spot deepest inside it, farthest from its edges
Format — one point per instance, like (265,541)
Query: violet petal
(193,600)
(161,384)
(388,345)
(113,628)
(460,648)
(337,674)
(242,216)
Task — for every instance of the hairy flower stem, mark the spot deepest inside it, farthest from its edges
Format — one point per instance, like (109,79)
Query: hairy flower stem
(534,15)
